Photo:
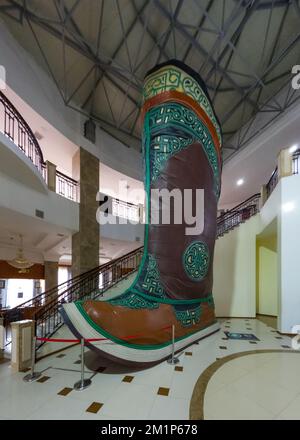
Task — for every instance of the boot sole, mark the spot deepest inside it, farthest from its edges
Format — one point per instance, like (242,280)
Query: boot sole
(121,351)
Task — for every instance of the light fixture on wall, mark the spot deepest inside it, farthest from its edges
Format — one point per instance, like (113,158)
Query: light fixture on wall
(20,261)
(240,182)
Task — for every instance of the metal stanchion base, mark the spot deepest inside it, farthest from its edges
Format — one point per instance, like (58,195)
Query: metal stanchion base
(173,361)
(82,384)
(31,377)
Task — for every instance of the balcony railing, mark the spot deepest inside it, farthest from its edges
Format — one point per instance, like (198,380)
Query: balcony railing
(125,210)
(66,186)
(14,126)
(296,162)
(237,215)
(272,182)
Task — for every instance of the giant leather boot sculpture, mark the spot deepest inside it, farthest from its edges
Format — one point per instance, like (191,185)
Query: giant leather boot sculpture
(181,150)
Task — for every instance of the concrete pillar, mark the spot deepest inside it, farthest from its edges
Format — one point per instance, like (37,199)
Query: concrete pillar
(22,333)
(51,277)
(285,163)
(85,243)
(51,176)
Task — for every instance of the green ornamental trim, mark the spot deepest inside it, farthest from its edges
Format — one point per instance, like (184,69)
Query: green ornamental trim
(189,317)
(168,115)
(196,260)
(173,78)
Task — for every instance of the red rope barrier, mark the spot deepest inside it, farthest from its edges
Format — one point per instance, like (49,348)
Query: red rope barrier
(93,339)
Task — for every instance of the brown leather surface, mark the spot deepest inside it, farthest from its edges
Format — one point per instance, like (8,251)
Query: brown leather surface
(189,169)
(144,324)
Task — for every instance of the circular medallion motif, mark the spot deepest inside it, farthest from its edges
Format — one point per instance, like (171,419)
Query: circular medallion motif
(196,260)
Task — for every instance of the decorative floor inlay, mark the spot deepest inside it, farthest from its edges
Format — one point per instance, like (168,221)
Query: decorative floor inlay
(163,391)
(43,379)
(61,355)
(188,353)
(65,391)
(94,407)
(178,368)
(128,379)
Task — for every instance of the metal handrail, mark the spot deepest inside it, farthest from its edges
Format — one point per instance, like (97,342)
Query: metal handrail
(18,131)
(24,138)
(237,215)
(66,186)
(48,320)
(270,186)
(296,162)
(42,299)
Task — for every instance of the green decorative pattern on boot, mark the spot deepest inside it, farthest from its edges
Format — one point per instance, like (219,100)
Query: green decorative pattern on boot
(169,115)
(151,278)
(189,317)
(173,78)
(163,148)
(196,260)
(133,301)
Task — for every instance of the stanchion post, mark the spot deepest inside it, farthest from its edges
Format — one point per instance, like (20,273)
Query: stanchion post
(173,359)
(83,383)
(33,375)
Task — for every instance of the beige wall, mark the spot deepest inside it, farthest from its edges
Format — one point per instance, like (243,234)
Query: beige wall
(267,276)
(234,287)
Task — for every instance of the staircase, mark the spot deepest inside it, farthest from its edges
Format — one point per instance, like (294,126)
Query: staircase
(44,308)
(237,215)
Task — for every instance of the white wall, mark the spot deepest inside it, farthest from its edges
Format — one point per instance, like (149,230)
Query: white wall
(289,251)
(235,259)
(234,288)
(36,88)
(58,210)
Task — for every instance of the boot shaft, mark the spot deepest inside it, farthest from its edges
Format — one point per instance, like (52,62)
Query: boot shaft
(181,148)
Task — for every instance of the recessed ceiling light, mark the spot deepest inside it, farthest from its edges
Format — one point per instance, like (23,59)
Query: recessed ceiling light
(288,207)
(293,148)
(240,182)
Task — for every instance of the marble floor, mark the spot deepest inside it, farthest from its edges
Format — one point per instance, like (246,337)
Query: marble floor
(163,391)
(263,386)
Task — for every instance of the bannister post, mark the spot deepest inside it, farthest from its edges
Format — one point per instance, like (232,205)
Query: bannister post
(285,163)
(51,176)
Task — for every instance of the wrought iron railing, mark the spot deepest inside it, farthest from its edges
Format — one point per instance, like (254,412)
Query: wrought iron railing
(237,215)
(296,162)
(125,210)
(67,187)
(270,186)
(44,308)
(14,126)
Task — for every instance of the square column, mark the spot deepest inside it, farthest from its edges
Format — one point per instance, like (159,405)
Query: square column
(85,243)
(22,333)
